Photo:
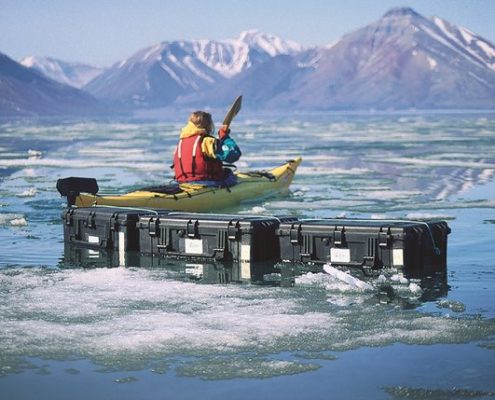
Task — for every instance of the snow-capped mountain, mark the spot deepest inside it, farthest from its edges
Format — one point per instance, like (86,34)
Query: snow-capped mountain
(26,92)
(403,60)
(157,75)
(70,73)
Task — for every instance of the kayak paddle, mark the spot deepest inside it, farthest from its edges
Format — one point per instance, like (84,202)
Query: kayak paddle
(233,111)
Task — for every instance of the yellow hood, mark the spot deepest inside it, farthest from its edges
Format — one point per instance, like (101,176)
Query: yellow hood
(208,145)
(190,130)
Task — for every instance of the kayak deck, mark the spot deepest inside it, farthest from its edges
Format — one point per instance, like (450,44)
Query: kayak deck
(193,197)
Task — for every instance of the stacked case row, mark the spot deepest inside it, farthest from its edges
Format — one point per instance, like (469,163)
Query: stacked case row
(418,247)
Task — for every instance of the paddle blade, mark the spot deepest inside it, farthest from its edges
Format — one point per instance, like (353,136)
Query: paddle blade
(233,111)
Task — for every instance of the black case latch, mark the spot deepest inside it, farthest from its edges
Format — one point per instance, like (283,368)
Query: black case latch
(233,230)
(339,236)
(384,237)
(153,225)
(192,228)
(69,219)
(91,220)
(295,234)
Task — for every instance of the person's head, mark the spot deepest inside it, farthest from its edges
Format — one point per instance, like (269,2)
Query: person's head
(202,120)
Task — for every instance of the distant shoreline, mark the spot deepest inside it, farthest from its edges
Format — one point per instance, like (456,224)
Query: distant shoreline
(180,115)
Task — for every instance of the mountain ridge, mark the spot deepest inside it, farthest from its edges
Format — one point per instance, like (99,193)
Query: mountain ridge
(27,92)
(159,74)
(403,60)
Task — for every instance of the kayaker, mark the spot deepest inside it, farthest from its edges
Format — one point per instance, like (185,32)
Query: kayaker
(199,157)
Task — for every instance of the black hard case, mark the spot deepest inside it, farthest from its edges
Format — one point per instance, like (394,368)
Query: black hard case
(210,236)
(108,228)
(415,247)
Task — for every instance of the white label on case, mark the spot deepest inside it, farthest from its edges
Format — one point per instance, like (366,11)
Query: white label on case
(245,252)
(93,239)
(398,257)
(194,246)
(122,249)
(340,255)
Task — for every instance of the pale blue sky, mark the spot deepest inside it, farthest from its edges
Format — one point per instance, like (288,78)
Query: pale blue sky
(102,32)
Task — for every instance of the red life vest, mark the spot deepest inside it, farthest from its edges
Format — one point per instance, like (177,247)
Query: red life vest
(190,164)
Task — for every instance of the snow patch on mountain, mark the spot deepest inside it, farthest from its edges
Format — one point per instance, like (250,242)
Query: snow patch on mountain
(189,63)
(487,49)
(227,57)
(154,52)
(467,35)
(232,56)
(70,73)
(432,62)
(171,72)
(461,50)
(270,44)
(468,41)
(332,44)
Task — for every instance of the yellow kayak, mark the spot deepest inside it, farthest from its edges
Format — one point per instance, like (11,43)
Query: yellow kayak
(194,197)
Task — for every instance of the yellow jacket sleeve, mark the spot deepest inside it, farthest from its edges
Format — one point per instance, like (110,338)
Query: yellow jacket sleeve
(208,146)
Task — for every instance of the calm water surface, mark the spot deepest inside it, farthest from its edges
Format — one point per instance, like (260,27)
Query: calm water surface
(151,333)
